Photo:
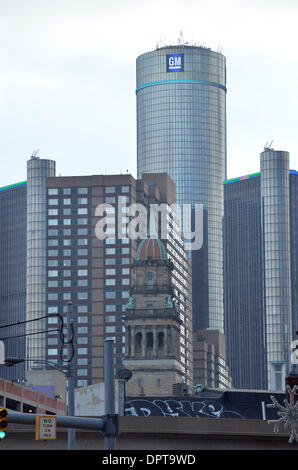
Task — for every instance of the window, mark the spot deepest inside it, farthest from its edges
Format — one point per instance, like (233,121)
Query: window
(110,251)
(66,221)
(82,190)
(52,352)
(66,211)
(53,212)
(110,200)
(110,319)
(82,319)
(149,278)
(82,330)
(149,308)
(110,308)
(82,231)
(160,339)
(53,309)
(82,340)
(52,262)
(66,191)
(149,340)
(110,282)
(52,283)
(82,282)
(52,273)
(82,210)
(53,253)
(110,189)
(82,308)
(53,191)
(82,200)
(52,221)
(125,189)
(138,342)
(82,241)
(53,296)
(110,272)
(82,350)
(82,252)
(82,221)
(82,295)
(110,329)
(82,272)
(52,202)
(52,232)
(110,294)
(82,262)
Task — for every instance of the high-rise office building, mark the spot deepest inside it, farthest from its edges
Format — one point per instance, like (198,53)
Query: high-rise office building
(67,261)
(260,245)
(181,130)
(13,273)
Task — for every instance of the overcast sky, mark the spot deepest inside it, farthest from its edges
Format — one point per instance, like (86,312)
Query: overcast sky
(67,77)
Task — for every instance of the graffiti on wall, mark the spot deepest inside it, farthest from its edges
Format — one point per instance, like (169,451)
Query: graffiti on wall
(179,407)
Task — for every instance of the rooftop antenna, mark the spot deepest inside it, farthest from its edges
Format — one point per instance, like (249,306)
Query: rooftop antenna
(180,39)
(268,147)
(35,153)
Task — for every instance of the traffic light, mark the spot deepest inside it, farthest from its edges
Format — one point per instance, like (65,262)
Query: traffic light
(3,423)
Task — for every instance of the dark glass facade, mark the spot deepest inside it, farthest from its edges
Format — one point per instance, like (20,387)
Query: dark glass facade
(243,284)
(181,130)
(260,272)
(13,275)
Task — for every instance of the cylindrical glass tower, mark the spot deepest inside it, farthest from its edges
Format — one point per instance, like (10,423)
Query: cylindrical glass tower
(277,264)
(181,130)
(37,172)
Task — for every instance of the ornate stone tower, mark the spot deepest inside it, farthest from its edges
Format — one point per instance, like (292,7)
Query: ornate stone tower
(152,324)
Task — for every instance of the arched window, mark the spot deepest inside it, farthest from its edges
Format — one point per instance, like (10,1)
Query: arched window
(138,342)
(160,339)
(149,340)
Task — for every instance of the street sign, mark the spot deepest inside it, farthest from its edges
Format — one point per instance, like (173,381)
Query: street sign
(45,428)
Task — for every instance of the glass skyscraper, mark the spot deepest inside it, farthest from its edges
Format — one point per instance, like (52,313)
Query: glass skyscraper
(181,130)
(260,272)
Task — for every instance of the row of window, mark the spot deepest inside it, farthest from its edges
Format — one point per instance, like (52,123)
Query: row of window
(69,296)
(66,191)
(69,242)
(68,201)
(68,211)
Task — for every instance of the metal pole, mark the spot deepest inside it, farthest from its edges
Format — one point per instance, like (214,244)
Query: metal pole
(109,385)
(70,376)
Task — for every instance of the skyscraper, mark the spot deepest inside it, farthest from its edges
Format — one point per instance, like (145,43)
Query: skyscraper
(260,245)
(181,130)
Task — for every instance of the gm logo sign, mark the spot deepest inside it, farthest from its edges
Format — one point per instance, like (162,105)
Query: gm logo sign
(175,62)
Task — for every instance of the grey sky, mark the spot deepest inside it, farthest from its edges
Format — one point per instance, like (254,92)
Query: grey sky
(67,77)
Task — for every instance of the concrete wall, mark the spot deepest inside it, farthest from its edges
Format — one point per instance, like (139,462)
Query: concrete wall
(161,433)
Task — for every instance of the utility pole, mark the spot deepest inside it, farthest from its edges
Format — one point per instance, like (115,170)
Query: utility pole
(70,375)
(109,386)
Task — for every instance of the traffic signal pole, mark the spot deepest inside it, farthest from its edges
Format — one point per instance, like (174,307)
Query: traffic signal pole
(70,376)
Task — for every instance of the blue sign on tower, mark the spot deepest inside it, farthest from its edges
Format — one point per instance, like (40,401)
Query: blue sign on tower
(175,62)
